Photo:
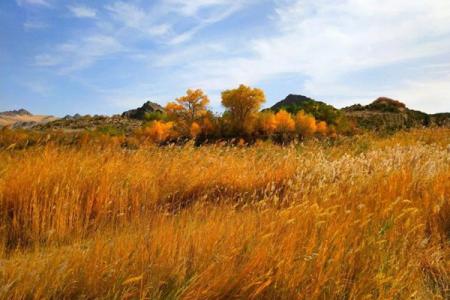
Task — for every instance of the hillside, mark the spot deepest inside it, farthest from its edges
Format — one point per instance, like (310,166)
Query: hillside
(127,122)
(23,118)
(389,114)
(320,110)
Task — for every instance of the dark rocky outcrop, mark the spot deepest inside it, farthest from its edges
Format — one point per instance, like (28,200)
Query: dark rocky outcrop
(140,113)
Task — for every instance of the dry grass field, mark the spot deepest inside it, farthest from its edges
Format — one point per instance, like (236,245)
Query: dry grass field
(362,217)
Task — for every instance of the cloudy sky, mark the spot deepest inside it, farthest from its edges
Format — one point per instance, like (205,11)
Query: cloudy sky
(98,56)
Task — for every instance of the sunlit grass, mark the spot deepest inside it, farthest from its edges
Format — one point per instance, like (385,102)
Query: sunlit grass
(354,218)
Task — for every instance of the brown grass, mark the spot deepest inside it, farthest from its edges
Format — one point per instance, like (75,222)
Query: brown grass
(363,218)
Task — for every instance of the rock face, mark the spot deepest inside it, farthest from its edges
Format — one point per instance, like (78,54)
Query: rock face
(139,113)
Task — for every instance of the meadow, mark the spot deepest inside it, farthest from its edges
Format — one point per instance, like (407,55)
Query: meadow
(362,217)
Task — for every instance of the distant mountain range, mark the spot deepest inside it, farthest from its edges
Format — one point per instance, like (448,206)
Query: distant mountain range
(382,114)
(23,118)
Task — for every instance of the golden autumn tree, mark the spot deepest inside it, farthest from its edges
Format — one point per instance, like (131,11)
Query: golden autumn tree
(266,122)
(159,131)
(194,103)
(305,124)
(322,128)
(195,129)
(188,109)
(174,110)
(284,122)
(242,105)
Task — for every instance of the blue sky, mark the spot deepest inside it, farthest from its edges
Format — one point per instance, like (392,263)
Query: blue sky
(103,57)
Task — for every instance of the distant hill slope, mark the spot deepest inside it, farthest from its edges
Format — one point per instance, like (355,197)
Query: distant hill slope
(320,110)
(389,114)
(114,125)
(127,122)
(382,114)
(23,118)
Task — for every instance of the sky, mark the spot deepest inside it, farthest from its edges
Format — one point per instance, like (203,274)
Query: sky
(103,57)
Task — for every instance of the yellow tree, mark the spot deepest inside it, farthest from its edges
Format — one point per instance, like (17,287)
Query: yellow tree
(305,124)
(159,131)
(193,104)
(174,110)
(322,128)
(284,122)
(188,109)
(266,122)
(242,105)
(195,129)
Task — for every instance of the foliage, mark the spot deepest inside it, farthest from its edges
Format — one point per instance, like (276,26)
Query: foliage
(322,128)
(284,122)
(159,131)
(319,110)
(156,116)
(242,105)
(305,124)
(195,129)
(188,109)
(266,123)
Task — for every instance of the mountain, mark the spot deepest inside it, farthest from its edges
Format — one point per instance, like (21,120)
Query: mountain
(320,110)
(382,114)
(387,114)
(23,118)
(143,111)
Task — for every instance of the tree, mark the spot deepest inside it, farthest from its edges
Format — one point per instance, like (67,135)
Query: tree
(195,129)
(266,122)
(242,105)
(305,124)
(159,131)
(284,122)
(190,106)
(322,128)
(187,109)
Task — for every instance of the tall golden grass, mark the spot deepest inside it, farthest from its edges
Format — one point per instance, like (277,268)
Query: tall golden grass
(357,218)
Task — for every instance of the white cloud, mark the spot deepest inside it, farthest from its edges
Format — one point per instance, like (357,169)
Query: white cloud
(137,18)
(33,2)
(80,54)
(81,11)
(191,8)
(325,40)
(30,25)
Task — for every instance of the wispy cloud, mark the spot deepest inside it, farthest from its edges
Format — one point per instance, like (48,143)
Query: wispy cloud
(192,8)
(30,25)
(137,18)
(33,2)
(81,11)
(328,44)
(80,54)
(325,41)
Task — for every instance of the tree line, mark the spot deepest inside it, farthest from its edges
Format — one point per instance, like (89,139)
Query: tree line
(188,117)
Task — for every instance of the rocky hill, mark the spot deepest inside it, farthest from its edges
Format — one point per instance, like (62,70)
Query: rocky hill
(388,114)
(380,115)
(320,110)
(143,112)
(23,118)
